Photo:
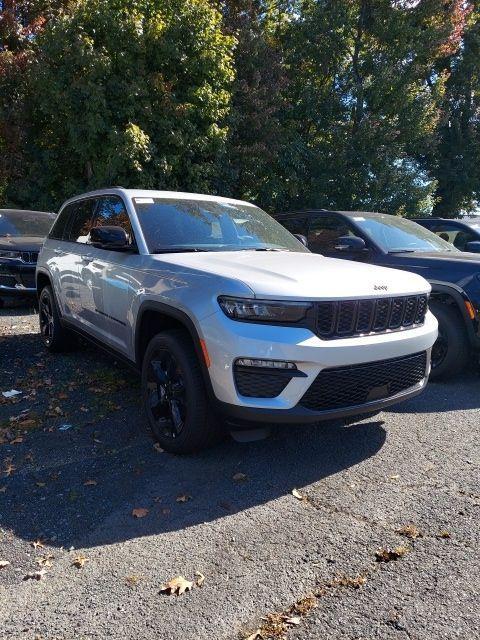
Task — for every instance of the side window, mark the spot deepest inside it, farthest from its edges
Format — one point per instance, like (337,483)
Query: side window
(57,232)
(295,225)
(457,235)
(112,212)
(82,221)
(325,231)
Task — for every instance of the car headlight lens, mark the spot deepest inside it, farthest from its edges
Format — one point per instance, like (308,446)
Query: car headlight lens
(12,255)
(251,310)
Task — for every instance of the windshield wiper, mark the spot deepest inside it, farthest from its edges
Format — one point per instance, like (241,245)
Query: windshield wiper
(180,250)
(264,249)
(402,251)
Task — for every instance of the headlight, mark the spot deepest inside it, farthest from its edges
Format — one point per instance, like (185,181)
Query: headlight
(253,310)
(11,255)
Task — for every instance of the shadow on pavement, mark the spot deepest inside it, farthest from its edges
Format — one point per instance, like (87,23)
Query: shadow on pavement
(79,486)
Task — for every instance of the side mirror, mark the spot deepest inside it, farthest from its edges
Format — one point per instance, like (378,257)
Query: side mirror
(350,243)
(109,237)
(302,239)
(473,246)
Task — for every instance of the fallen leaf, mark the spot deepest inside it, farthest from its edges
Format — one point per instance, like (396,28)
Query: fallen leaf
(90,483)
(293,620)
(16,440)
(9,469)
(386,555)
(240,477)
(410,531)
(45,561)
(158,448)
(200,578)
(29,423)
(35,575)
(183,498)
(139,512)
(79,561)
(4,563)
(394,477)
(256,635)
(444,534)
(41,484)
(133,580)
(37,544)
(296,494)
(177,586)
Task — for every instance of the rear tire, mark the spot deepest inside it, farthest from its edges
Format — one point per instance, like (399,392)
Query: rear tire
(174,395)
(54,336)
(450,353)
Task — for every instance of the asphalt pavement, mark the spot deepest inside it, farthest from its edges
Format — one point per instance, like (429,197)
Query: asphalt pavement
(379,539)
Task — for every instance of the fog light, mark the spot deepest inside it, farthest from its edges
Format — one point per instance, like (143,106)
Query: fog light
(265,364)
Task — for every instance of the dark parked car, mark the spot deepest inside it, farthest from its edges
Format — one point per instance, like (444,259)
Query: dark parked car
(464,234)
(391,241)
(21,236)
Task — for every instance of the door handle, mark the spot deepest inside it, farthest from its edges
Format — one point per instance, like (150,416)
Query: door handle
(86,258)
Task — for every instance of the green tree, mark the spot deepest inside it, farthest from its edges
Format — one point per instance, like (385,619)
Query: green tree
(124,92)
(362,106)
(456,165)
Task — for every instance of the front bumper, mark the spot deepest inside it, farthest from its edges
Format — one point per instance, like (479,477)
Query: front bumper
(17,279)
(227,340)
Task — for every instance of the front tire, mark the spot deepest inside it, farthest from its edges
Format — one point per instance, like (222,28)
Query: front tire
(54,335)
(174,395)
(450,353)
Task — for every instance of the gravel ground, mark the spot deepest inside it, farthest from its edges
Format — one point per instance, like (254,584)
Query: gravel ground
(76,461)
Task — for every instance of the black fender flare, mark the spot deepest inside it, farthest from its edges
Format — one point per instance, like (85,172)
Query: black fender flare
(187,322)
(459,296)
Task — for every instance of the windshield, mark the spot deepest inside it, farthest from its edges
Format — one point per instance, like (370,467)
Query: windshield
(171,225)
(25,223)
(394,234)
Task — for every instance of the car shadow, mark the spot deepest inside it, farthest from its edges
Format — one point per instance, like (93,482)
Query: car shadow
(80,486)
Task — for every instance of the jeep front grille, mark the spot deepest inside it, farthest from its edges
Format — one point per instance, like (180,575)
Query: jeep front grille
(347,318)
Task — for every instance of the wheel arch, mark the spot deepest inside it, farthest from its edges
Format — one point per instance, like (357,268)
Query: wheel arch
(42,279)
(153,317)
(448,293)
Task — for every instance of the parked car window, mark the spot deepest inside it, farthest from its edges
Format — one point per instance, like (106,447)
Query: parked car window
(57,232)
(296,225)
(206,225)
(25,223)
(112,212)
(458,236)
(81,221)
(325,231)
(396,235)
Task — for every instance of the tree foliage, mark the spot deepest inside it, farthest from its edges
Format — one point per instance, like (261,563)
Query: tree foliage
(347,104)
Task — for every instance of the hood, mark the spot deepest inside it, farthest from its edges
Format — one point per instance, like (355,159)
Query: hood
(454,257)
(305,276)
(21,243)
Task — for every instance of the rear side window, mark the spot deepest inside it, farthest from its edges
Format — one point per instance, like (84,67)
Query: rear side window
(112,212)
(57,232)
(295,225)
(81,221)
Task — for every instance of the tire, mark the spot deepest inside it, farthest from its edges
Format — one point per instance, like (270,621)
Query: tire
(450,353)
(174,395)
(54,336)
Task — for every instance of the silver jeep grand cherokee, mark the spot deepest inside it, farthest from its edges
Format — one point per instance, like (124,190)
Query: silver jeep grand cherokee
(225,313)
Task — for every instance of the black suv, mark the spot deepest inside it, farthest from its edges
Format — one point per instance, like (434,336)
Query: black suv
(464,234)
(21,237)
(391,241)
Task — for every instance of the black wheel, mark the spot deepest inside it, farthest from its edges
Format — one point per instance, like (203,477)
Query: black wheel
(54,336)
(450,353)
(174,395)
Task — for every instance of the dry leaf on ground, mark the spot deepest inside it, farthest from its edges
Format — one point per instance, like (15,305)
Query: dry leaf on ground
(4,563)
(200,578)
(386,555)
(79,561)
(410,531)
(296,494)
(35,575)
(444,534)
(158,448)
(90,483)
(37,544)
(183,498)
(177,586)
(45,561)
(139,512)
(256,635)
